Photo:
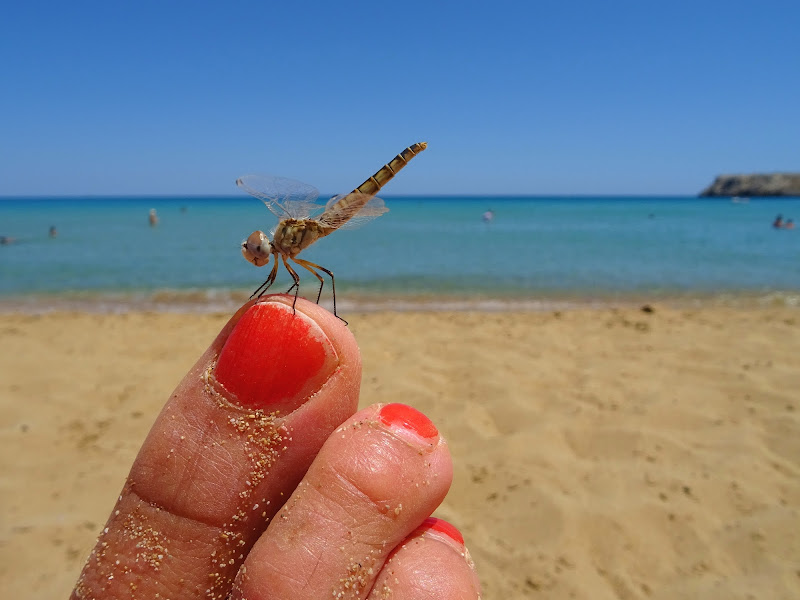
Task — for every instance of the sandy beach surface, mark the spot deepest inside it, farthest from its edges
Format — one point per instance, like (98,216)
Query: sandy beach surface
(599,453)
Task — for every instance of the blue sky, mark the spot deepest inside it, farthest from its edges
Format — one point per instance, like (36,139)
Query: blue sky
(559,97)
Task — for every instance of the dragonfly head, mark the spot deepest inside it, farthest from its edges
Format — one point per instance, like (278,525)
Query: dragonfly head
(256,248)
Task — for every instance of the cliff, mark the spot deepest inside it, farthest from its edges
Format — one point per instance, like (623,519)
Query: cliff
(761,184)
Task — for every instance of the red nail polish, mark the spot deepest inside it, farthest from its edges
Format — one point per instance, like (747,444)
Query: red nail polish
(442,526)
(401,415)
(275,358)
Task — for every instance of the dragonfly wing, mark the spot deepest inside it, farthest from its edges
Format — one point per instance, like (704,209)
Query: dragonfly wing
(285,198)
(349,211)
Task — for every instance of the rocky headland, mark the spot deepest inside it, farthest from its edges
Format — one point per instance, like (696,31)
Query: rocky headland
(759,184)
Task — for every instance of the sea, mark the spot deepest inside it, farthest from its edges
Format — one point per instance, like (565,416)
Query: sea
(433,252)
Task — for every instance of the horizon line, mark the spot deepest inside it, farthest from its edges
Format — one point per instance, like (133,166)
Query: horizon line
(384,196)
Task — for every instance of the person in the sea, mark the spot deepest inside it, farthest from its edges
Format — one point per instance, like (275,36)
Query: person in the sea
(259,479)
(53,233)
(153,217)
(778,222)
(488,216)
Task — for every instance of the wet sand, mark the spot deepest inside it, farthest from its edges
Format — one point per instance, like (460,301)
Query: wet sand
(599,453)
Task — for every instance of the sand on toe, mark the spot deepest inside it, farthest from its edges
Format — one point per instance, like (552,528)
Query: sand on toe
(599,453)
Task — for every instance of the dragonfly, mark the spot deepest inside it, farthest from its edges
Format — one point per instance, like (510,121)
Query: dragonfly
(295,203)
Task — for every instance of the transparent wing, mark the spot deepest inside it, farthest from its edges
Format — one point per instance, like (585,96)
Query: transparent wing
(352,210)
(283,197)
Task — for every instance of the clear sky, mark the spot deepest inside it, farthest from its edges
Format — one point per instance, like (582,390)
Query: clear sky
(526,97)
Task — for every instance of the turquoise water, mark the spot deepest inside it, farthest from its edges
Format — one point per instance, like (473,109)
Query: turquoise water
(589,248)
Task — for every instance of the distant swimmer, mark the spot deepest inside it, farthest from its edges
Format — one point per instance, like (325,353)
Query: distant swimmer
(778,222)
(6,240)
(153,218)
(488,216)
(53,232)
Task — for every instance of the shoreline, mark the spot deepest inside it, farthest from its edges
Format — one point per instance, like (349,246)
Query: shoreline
(212,301)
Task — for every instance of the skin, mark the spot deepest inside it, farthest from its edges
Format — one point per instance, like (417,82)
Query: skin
(312,501)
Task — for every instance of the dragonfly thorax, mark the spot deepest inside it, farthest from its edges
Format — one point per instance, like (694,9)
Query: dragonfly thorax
(293,235)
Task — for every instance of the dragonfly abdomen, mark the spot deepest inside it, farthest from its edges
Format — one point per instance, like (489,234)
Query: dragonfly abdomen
(348,206)
(373,185)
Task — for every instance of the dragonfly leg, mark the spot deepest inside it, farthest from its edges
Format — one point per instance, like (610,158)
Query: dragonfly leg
(311,267)
(305,264)
(296,284)
(260,290)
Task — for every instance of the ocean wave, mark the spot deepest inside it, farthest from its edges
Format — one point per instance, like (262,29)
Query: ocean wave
(217,300)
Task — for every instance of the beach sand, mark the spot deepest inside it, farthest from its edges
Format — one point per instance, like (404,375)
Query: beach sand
(599,453)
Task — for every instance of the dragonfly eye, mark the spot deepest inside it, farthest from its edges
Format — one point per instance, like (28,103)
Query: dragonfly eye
(256,249)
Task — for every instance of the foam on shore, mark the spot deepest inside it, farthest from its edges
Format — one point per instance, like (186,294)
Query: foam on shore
(210,301)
